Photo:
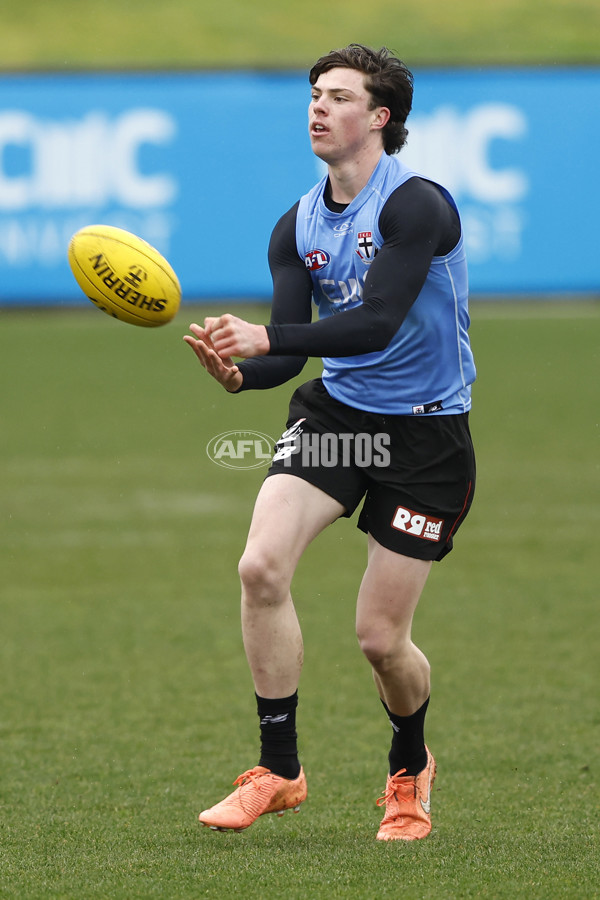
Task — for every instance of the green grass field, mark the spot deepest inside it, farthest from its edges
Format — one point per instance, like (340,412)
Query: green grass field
(68,33)
(126,705)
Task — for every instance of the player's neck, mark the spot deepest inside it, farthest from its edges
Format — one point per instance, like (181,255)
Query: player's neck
(348,178)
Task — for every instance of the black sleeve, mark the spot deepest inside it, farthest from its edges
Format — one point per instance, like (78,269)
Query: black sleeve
(292,298)
(416,223)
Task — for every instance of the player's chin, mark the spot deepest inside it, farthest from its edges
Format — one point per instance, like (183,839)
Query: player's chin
(318,148)
(325,154)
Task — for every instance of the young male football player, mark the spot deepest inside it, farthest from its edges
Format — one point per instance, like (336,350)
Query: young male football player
(379,250)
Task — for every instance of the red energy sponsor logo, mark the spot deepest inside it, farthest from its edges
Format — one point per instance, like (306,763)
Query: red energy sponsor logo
(417,524)
(316,259)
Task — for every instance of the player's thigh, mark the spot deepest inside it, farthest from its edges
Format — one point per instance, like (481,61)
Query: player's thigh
(289,513)
(389,592)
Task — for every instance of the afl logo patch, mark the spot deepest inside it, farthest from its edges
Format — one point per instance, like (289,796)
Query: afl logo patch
(317,259)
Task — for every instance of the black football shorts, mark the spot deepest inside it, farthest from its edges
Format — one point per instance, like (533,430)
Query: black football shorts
(416,473)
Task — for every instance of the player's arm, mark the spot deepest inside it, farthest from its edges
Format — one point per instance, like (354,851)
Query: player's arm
(417,223)
(291,304)
(292,298)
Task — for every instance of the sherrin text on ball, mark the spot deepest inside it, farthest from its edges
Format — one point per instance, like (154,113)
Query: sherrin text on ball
(124,276)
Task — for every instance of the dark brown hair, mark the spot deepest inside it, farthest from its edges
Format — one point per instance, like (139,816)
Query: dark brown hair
(387,79)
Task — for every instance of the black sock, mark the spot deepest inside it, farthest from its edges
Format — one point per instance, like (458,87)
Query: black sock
(408,741)
(278,738)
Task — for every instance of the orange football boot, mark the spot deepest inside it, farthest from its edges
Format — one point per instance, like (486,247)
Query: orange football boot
(407,801)
(259,791)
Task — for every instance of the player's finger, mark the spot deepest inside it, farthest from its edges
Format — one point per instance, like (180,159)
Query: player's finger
(201,335)
(216,368)
(230,375)
(226,348)
(197,347)
(211,324)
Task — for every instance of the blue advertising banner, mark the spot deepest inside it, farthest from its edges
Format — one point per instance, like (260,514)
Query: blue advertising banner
(203,164)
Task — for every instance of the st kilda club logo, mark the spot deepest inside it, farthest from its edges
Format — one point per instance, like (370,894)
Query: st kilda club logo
(366,249)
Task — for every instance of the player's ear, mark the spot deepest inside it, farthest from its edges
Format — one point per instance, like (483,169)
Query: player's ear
(381,116)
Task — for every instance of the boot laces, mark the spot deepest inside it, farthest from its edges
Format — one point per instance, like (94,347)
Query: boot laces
(251,775)
(398,790)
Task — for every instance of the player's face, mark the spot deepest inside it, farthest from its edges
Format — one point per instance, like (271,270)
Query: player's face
(341,123)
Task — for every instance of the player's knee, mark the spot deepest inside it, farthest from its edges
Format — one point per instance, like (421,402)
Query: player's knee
(261,575)
(381,647)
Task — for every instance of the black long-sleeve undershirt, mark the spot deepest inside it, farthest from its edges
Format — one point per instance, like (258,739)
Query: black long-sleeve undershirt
(416,223)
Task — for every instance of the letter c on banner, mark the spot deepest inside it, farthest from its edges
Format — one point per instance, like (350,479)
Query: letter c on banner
(131,131)
(482,125)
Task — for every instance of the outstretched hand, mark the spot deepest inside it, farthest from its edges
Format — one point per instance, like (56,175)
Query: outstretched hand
(222,338)
(222,370)
(236,337)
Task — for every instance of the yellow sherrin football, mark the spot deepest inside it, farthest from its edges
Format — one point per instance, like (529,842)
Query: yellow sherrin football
(124,276)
